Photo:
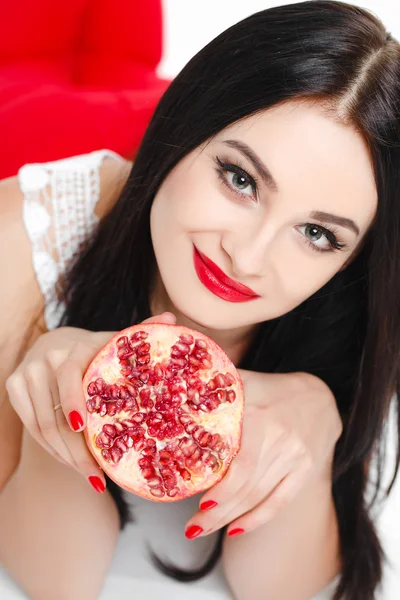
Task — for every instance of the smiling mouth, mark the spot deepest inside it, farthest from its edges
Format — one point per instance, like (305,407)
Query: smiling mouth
(217,282)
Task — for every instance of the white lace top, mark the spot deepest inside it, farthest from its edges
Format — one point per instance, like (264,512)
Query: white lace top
(58,212)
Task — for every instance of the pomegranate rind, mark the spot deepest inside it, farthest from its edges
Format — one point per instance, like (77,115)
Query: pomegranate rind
(225,420)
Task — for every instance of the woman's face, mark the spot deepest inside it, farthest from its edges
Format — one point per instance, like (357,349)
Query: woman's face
(277,202)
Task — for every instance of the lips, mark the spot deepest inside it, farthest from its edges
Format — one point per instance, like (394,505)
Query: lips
(215,280)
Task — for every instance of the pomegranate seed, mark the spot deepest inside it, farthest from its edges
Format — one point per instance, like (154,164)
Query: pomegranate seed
(200,344)
(106,455)
(121,445)
(149,473)
(130,404)
(111,408)
(213,440)
(144,359)
(203,440)
(165,457)
(144,377)
(186,338)
(124,353)
(194,362)
(122,341)
(143,349)
(197,432)
(154,482)
(180,363)
(92,389)
(138,336)
(103,410)
(229,378)
(110,430)
(185,418)
(186,476)
(100,385)
(119,427)
(230,396)
(138,417)
(157,492)
(220,395)
(90,407)
(172,493)
(103,441)
(116,454)
(220,380)
(97,402)
(190,427)
(206,363)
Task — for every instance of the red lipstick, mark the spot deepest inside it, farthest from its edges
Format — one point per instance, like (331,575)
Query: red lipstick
(218,282)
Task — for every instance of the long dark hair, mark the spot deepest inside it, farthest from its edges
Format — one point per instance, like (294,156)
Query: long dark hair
(348,333)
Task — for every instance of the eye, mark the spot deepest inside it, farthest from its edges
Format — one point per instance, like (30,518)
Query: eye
(320,238)
(237,179)
(240,182)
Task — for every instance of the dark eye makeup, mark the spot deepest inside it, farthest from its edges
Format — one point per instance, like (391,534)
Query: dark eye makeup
(247,180)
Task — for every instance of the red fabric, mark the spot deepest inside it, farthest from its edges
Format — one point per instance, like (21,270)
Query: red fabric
(76,76)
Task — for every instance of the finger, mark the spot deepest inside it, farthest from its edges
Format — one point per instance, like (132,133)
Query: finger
(43,391)
(22,404)
(236,485)
(83,460)
(268,509)
(252,492)
(166,317)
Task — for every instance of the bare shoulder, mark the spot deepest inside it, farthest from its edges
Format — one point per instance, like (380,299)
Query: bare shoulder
(113,176)
(20,299)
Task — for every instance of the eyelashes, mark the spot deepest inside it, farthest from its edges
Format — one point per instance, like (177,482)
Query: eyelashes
(224,169)
(236,169)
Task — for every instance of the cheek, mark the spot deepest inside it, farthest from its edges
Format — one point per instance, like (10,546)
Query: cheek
(300,272)
(190,202)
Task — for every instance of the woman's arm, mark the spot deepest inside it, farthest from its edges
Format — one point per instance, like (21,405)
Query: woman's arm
(293,556)
(21,301)
(276,497)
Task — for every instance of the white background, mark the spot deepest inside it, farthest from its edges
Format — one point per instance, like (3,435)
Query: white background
(190,25)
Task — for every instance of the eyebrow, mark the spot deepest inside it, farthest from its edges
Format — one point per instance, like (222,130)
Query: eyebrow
(256,161)
(272,185)
(335,220)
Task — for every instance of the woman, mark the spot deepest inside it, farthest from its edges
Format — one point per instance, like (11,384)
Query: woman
(274,154)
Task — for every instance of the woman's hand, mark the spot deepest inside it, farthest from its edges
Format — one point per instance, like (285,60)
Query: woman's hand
(51,374)
(290,429)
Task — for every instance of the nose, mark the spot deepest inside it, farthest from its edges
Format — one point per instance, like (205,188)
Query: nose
(249,250)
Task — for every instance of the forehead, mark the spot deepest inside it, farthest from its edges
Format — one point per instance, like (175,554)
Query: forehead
(318,163)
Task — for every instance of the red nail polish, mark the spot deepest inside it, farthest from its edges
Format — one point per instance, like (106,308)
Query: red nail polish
(208,505)
(97,483)
(76,420)
(193,531)
(235,532)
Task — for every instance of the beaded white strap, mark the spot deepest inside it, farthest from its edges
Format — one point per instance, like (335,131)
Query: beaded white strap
(58,213)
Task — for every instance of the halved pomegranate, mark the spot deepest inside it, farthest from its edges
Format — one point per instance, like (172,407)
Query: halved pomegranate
(165,408)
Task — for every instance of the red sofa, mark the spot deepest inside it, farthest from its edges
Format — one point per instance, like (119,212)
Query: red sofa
(76,76)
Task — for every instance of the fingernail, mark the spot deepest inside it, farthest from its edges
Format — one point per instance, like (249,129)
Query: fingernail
(193,531)
(97,483)
(235,532)
(208,505)
(75,420)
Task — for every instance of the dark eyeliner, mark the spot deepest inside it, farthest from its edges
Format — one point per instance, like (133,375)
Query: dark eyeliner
(238,170)
(330,236)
